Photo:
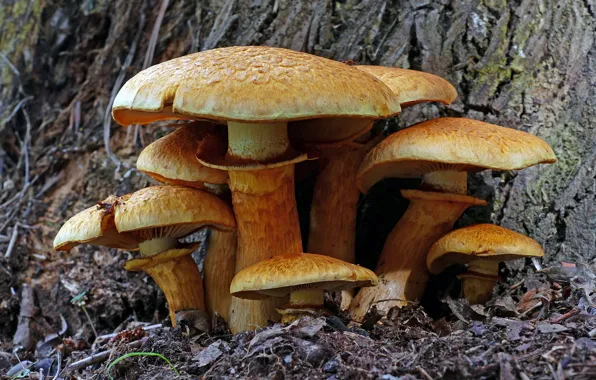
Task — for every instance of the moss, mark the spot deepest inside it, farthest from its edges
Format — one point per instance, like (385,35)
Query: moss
(19,23)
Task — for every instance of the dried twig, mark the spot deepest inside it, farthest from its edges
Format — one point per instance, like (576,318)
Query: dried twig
(107,118)
(149,57)
(13,240)
(100,357)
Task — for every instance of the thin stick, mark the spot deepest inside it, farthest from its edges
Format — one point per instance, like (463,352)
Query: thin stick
(567,315)
(13,240)
(100,357)
(107,118)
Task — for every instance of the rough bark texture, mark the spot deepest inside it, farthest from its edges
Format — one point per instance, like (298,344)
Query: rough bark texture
(526,64)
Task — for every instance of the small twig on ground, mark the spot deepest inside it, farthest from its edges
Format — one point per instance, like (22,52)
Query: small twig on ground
(516,285)
(107,118)
(567,315)
(16,109)
(13,240)
(424,374)
(533,308)
(100,357)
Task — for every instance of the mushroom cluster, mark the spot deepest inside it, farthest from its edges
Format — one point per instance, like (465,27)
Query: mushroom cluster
(245,117)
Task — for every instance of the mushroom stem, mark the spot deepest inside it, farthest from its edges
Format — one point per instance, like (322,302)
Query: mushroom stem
(402,266)
(180,280)
(219,268)
(306,298)
(446,182)
(303,303)
(177,275)
(335,206)
(157,245)
(477,288)
(267,218)
(257,141)
(480,279)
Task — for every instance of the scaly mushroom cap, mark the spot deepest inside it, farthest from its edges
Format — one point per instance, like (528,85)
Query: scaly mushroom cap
(173,158)
(282,275)
(451,144)
(172,211)
(94,225)
(254,84)
(481,241)
(411,86)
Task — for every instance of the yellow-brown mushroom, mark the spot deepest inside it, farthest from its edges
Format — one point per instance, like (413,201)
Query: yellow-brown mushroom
(482,247)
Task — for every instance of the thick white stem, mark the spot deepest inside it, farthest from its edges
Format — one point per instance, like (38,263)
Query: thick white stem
(257,141)
(153,246)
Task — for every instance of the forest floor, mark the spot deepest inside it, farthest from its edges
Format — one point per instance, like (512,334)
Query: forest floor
(541,322)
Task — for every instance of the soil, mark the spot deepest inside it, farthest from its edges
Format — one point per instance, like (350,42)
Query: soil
(525,64)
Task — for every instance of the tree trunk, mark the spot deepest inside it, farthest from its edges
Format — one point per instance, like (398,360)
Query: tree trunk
(525,64)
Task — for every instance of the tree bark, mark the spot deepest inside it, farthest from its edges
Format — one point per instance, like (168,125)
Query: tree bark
(525,64)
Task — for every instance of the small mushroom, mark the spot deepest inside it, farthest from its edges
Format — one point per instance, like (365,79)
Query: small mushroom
(172,159)
(482,247)
(264,95)
(297,275)
(152,220)
(335,196)
(440,151)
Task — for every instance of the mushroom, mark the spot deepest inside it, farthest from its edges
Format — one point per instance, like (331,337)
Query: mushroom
(257,92)
(482,247)
(297,275)
(335,197)
(440,151)
(172,159)
(152,220)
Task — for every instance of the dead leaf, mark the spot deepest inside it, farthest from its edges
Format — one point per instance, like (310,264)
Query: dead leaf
(209,354)
(306,327)
(546,328)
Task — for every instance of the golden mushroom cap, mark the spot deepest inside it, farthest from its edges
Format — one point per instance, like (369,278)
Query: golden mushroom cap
(173,158)
(454,144)
(412,86)
(284,274)
(94,225)
(255,84)
(172,211)
(480,241)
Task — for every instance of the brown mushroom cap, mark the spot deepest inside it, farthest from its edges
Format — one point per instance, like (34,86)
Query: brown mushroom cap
(270,84)
(481,241)
(284,274)
(94,225)
(411,86)
(451,144)
(173,158)
(172,211)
